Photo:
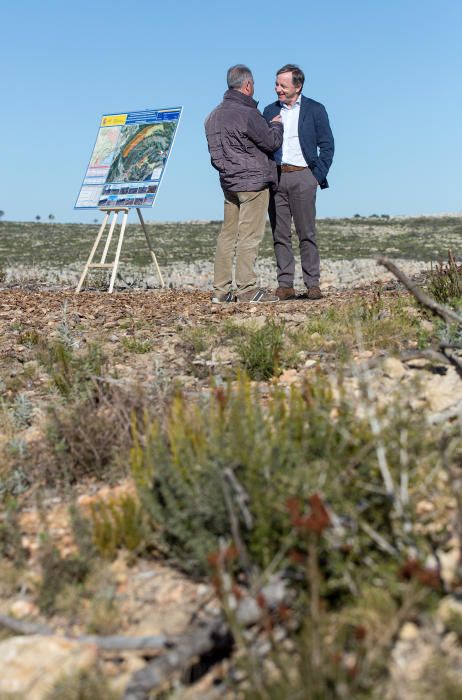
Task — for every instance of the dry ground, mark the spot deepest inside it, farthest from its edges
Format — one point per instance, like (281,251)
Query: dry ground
(152,340)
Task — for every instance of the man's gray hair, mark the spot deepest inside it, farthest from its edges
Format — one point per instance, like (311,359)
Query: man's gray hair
(238,75)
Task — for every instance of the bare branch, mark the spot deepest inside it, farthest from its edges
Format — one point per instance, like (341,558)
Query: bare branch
(428,354)
(242,497)
(116,643)
(454,360)
(112,643)
(23,627)
(235,529)
(378,539)
(197,641)
(447,314)
(451,346)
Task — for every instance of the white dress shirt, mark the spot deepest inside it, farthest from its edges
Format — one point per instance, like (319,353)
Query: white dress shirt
(290,152)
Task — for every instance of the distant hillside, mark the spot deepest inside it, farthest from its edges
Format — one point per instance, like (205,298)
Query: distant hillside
(416,238)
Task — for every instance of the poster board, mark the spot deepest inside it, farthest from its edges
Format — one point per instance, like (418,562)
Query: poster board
(129,159)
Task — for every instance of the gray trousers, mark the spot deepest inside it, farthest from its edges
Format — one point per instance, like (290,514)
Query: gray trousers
(240,236)
(295,198)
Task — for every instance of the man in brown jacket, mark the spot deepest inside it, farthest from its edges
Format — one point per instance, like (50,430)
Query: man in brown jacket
(240,144)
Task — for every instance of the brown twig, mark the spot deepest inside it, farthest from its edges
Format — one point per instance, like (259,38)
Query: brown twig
(447,314)
(314,576)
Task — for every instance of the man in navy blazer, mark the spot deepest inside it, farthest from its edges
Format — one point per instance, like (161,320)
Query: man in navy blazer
(303,162)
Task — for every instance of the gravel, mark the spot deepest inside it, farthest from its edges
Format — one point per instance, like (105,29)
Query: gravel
(336,274)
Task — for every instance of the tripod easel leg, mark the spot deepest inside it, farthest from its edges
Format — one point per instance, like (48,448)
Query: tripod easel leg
(115,215)
(93,251)
(117,255)
(114,265)
(151,250)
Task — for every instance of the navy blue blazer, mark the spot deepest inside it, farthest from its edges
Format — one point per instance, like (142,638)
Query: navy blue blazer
(314,132)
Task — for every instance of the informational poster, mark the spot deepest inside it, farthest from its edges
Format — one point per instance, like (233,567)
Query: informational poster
(129,159)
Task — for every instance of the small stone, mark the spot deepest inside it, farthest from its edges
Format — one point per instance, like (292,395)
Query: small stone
(224,355)
(365,355)
(409,632)
(293,318)
(255,322)
(442,392)
(310,363)
(203,589)
(289,376)
(450,565)
(393,368)
(31,666)
(23,608)
(248,611)
(31,364)
(419,363)
(411,311)
(423,507)
(426,325)
(448,609)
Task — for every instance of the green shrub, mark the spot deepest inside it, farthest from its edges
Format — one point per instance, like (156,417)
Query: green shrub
(16,480)
(259,350)
(10,534)
(137,345)
(22,410)
(57,572)
(197,339)
(117,523)
(445,280)
(30,338)
(89,434)
(380,322)
(236,450)
(71,371)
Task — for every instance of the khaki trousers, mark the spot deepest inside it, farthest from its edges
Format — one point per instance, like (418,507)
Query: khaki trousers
(241,234)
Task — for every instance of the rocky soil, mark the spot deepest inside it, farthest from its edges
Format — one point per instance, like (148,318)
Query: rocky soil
(335,275)
(147,596)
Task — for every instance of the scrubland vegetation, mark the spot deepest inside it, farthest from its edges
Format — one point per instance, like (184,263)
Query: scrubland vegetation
(266,454)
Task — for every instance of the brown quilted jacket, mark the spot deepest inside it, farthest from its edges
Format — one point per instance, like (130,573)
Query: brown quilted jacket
(240,142)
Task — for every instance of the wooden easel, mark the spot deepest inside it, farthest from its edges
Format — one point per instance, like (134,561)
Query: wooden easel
(114,212)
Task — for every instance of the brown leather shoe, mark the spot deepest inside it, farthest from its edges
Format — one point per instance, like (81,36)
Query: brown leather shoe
(285,293)
(313,293)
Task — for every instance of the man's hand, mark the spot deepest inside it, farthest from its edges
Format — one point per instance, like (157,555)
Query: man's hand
(277,118)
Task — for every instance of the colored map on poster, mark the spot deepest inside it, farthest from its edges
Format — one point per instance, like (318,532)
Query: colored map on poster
(129,159)
(105,146)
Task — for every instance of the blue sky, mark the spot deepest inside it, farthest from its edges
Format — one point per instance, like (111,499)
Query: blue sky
(388,71)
